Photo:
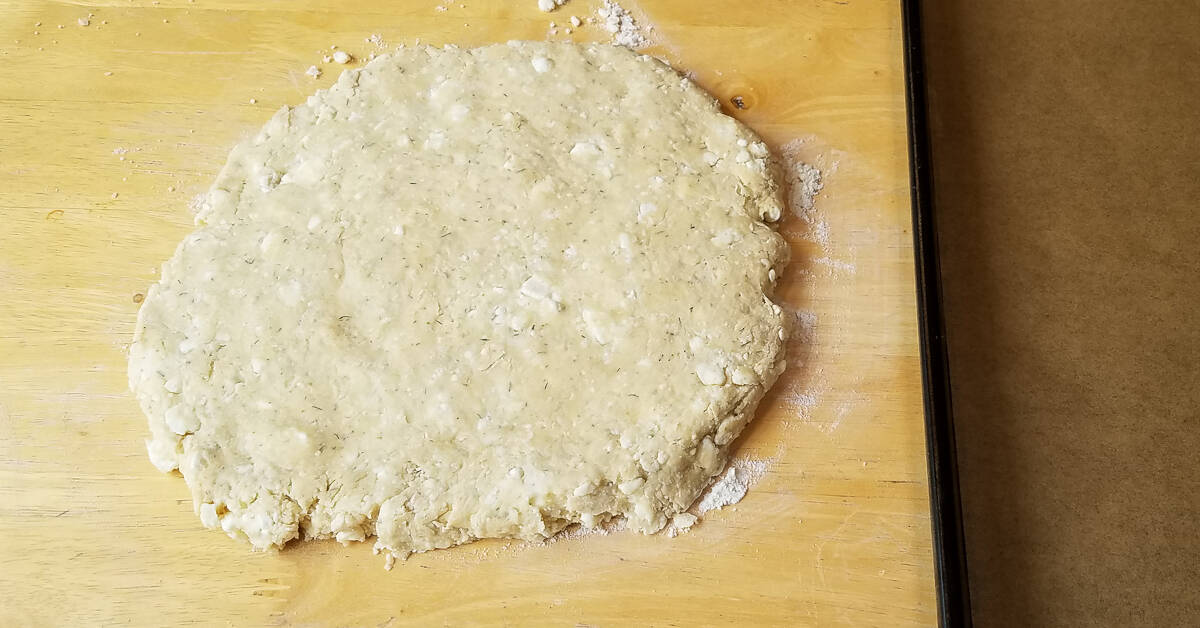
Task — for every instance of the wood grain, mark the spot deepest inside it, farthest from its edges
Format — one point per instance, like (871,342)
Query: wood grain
(96,171)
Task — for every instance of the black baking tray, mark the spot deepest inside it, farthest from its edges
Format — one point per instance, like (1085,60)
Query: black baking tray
(950,566)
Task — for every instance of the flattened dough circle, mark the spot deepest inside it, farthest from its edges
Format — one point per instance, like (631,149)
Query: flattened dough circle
(466,294)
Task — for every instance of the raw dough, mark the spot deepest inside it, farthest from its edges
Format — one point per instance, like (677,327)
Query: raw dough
(467,294)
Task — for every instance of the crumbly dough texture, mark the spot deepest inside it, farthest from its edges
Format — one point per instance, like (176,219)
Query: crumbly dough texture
(465,294)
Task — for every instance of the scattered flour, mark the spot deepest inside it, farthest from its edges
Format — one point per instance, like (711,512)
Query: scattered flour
(728,489)
(804,401)
(313,71)
(802,395)
(616,524)
(804,181)
(820,233)
(196,203)
(805,329)
(731,486)
(547,6)
(835,265)
(624,29)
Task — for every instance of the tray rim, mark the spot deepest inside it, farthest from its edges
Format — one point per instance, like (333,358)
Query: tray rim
(949,553)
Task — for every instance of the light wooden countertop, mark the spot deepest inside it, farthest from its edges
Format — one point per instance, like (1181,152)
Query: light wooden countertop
(96,171)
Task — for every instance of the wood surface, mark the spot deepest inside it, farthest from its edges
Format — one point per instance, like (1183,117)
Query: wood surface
(835,533)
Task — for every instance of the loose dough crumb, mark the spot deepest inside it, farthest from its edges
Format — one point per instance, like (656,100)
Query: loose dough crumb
(681,522)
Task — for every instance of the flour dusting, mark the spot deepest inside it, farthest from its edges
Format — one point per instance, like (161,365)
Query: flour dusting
(196,203)
(729,488)
(833,264)
(804,401)
(804,180)
(616,524)
(622,26)
(805,328)
(813,400)
(801,396)
(732,485)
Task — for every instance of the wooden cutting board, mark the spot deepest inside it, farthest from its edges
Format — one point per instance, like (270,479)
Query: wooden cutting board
(108,129)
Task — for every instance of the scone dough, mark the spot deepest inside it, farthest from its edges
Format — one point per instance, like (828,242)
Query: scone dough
(466,294)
